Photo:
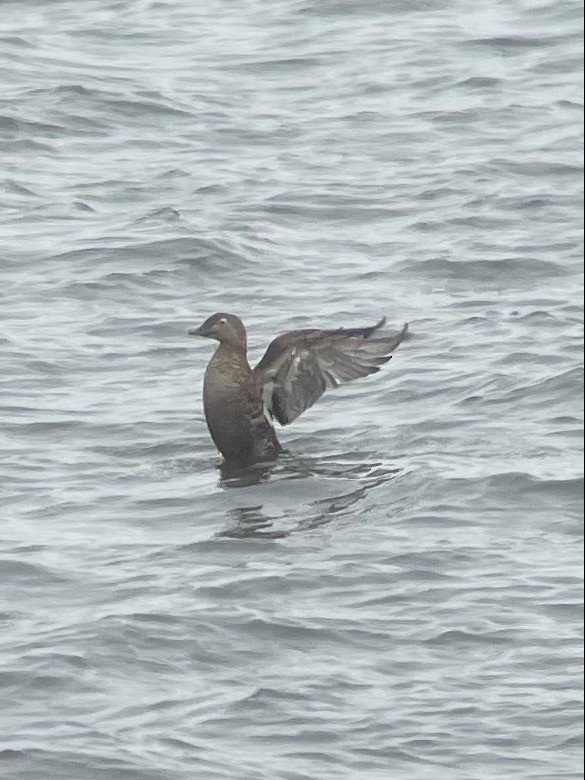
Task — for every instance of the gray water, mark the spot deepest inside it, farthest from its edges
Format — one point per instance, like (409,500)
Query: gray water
(400,597)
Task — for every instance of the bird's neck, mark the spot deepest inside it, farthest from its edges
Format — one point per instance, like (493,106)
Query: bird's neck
(231,354)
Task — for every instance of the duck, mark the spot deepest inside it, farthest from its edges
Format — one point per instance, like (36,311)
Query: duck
(241,402)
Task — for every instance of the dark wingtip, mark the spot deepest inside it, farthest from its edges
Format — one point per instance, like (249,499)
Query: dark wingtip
(374,328)
(400,336)
(365,333)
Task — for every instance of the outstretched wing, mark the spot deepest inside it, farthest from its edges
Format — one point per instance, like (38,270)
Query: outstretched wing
(300,365)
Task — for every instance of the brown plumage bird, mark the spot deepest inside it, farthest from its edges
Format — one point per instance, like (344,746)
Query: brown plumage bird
(240,402)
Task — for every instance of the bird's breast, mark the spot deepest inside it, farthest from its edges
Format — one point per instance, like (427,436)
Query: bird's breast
(232,404)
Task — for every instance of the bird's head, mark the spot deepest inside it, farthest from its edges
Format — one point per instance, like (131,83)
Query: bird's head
(225,328)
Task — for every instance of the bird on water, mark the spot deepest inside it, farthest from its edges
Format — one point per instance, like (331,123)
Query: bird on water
(240,402)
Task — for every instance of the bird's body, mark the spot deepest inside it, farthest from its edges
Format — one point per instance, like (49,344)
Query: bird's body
(240,402)
(234,410)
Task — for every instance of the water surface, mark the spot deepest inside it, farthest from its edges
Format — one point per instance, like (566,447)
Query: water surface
(401,596)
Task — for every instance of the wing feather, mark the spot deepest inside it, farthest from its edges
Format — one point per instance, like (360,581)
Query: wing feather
(299,366)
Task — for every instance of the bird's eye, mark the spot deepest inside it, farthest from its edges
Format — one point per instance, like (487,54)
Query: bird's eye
(222,321)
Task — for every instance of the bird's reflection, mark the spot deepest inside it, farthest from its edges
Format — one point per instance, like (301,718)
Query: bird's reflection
(250,522)
(291,466)
(257,522)
(237,477)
